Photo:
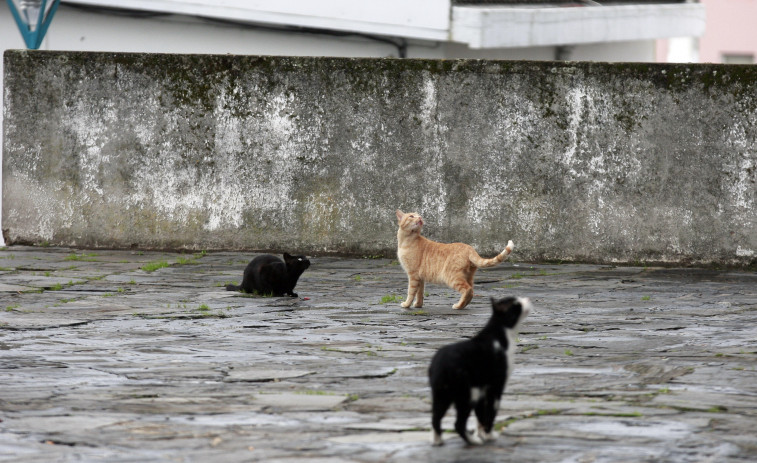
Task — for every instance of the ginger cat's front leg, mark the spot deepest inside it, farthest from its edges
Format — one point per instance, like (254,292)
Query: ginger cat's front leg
(419,295)
(412,289)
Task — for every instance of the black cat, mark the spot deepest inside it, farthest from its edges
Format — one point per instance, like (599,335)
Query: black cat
(473,373)
(268,274)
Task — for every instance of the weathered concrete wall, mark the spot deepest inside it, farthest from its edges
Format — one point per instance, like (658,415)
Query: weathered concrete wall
(573,161)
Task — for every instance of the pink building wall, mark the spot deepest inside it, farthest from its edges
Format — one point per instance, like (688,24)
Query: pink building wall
(661,51)
(731,29)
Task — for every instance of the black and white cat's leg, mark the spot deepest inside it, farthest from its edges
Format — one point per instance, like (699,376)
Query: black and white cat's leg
(413,282)
(486,412)
(463,408)
(440,404)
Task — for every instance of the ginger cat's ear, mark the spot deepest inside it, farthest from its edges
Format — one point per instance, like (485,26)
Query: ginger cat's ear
(400,214)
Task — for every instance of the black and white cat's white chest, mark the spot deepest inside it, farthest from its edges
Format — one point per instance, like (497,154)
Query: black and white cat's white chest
(492,358)
(503,346)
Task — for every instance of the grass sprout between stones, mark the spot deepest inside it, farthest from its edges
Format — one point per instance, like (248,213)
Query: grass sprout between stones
(152,266)
(390,298)
(81,257)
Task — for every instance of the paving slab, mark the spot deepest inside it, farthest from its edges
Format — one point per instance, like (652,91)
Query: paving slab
(143,356)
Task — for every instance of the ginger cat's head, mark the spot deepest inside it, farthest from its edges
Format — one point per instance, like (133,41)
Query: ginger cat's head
(410,222)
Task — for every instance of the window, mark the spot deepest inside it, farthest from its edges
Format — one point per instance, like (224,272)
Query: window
(738,58)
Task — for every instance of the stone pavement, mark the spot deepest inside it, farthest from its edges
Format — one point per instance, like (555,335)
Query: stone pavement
(107,356)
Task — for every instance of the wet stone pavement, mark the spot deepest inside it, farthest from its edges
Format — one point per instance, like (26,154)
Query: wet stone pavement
(110,356)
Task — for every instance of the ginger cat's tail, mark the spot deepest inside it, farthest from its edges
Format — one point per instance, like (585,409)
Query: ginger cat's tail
(480,262)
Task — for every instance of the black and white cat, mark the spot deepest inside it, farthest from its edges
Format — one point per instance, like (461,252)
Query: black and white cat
(472,373)
(268,274)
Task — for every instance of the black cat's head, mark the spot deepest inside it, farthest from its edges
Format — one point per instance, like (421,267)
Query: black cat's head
(510,311)
(299,263)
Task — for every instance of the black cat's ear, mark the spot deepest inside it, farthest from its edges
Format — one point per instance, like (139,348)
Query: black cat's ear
(287,256)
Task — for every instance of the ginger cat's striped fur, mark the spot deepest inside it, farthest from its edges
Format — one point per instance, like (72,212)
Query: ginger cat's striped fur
(452,264)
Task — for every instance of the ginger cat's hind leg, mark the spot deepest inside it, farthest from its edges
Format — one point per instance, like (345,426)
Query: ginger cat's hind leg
(464,287)
(466,293)
(471,273)
(412,290)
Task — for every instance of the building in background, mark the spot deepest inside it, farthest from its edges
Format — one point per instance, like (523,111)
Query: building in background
(731,36)
(496,29)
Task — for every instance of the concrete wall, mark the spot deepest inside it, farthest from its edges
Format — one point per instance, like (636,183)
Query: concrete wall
(107,30)
(573,161)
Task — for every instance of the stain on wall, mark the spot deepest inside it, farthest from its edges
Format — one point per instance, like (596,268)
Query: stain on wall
(573,161)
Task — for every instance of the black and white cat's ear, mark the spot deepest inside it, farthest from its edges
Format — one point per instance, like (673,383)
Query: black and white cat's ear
(400,214)
(502,305)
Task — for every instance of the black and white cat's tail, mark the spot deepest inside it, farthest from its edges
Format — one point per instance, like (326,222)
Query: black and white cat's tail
(233,288)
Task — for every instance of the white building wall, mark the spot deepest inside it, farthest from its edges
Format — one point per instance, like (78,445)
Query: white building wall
(418,19)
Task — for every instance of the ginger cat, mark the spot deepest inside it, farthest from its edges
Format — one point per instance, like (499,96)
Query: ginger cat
(424,260)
